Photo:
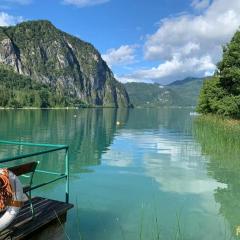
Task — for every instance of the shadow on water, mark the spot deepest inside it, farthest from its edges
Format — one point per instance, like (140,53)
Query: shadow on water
(221,146)
(88,132)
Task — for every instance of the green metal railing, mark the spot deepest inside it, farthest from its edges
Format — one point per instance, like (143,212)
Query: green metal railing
(50,148)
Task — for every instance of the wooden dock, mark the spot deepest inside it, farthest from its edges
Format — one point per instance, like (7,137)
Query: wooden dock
(47,212)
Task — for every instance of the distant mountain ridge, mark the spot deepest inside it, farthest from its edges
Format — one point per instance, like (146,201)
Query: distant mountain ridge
(63,69)
(182,93)
(183,81)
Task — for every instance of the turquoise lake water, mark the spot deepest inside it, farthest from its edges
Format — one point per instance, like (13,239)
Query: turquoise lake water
(153,176)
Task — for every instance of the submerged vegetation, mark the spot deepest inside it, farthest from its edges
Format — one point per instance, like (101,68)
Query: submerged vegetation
(219,139)
(221,134)
(221,93)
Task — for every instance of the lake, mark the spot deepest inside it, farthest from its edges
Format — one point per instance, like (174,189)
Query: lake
(136,174)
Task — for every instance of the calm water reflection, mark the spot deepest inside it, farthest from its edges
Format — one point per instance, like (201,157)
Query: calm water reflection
(157,175)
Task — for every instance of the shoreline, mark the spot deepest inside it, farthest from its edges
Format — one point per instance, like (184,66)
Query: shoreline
(35,108)
(62,108)
(98,107)
(216,120)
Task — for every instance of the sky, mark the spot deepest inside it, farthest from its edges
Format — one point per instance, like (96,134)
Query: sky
(141,40)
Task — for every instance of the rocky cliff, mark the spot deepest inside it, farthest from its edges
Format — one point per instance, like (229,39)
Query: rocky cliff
(68,65)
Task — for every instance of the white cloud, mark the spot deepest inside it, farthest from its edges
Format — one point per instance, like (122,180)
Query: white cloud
(7,20)
(171,70)
(190,45)
(123,55)
(85,3)
(207,31)
(129,78)
(200,4)
(132,78)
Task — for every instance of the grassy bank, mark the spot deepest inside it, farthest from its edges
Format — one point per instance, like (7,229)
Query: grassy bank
(220,140)
(219,126)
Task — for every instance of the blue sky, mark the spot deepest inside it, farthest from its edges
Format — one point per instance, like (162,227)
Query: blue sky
(142,40)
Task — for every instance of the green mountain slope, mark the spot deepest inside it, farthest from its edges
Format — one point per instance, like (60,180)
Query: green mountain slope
(179,93)
(67,66)
(186,91)
(20,91)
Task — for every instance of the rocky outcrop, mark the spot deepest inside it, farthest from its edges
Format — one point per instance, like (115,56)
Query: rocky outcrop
(73,67)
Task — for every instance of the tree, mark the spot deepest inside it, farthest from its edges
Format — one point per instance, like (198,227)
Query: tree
(221,93)
(44,96)
(229,67)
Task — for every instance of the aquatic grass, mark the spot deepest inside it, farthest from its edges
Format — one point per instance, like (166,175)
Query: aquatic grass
(220,125)
(230,235)
(177,229)
(179,233)
(78,221)
(158,233)
(121,229)
(219,137)
(156,227)
(155,231)
(220,140)
(141,223)
(62,225)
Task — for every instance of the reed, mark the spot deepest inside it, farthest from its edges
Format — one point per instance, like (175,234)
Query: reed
(218,136)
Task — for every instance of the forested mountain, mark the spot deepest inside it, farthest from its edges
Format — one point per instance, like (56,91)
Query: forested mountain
(179,93)
(41,66)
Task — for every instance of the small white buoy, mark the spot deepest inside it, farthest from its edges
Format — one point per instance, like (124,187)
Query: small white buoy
(75,116)
(118,123)
(194,114)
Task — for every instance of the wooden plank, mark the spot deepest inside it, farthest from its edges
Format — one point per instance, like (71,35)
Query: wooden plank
(46,211)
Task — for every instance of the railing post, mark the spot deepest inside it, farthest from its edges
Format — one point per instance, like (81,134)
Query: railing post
(67,175)
(54,148)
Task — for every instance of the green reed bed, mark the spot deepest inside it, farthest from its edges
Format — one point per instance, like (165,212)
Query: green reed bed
(219,137)
(219,127)
(220,142)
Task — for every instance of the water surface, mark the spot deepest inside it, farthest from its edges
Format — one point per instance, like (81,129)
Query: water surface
(157,175)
